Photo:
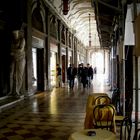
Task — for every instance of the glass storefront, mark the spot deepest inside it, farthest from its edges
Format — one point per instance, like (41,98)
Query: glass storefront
(53,68)
(34,67)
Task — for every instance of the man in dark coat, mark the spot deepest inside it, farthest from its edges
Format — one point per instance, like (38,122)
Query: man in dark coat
(90,74)
(71,73)
(84,76)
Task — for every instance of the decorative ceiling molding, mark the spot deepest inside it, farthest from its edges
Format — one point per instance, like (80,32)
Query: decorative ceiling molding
(78,20)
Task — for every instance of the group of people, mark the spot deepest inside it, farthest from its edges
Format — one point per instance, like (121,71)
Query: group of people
(83,73)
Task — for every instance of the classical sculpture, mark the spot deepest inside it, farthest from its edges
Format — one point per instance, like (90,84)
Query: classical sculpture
(17,62)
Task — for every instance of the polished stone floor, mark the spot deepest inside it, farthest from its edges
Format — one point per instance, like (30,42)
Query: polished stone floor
(50,115)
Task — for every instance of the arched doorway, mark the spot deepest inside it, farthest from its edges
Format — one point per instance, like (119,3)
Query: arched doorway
(99,59)
(38,43)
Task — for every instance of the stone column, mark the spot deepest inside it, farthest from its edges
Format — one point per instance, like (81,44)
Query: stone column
(59,42)
(29,51)
(47,53)
(67,47)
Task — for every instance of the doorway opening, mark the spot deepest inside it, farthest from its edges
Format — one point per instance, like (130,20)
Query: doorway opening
(37,69)
(98,62)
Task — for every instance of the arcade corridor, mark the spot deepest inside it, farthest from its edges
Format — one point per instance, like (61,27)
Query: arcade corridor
(50,115)
(38,35)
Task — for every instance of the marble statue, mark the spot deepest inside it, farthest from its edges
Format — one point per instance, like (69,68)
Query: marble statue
(17,62)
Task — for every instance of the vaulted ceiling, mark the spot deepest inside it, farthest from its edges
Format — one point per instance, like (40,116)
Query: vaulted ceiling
(82,18)
(101,14)
(80,11)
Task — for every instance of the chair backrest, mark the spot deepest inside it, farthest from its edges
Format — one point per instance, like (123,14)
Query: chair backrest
(125,130)
(137,135)
(102,100)
(104,117)
(91,100)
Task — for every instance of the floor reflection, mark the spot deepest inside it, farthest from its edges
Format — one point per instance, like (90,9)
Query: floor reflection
(52,115)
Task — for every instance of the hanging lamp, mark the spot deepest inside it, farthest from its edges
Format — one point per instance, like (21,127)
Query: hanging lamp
(89,32)
(65,6)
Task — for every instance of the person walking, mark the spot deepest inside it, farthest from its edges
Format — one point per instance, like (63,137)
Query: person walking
(80,67)
(84,76)
(90,74)
(71,73)
(58,76)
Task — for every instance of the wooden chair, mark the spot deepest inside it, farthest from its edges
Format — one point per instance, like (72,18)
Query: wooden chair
(102,100)
(89,109)
(104,117)
(91,99)
(137,135)
(107,100)
(125,129)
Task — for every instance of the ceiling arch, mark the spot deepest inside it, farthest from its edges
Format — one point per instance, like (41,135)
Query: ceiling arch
(78,20)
